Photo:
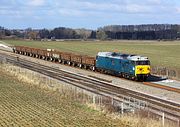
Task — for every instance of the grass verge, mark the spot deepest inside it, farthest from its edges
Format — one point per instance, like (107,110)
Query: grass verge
(26,104)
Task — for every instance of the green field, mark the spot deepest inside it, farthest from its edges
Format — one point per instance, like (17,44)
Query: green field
(164,53)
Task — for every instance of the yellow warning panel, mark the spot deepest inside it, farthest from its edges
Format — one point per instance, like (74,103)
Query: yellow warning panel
(142,69)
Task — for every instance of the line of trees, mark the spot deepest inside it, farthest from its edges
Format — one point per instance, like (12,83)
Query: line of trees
(132,32)
(142,32)
(67,33)
(56,33)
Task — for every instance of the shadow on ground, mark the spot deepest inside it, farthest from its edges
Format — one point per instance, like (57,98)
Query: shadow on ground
(153,78)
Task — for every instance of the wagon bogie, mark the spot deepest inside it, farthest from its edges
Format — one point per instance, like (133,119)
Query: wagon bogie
(76,60)
(41,54)
(56,56)
(34,51)
(28,51)
(23,49)
(59,60)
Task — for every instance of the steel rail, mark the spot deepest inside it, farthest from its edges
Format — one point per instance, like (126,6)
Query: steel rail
(169,88)
(106,89)
(90,79)
(162,87)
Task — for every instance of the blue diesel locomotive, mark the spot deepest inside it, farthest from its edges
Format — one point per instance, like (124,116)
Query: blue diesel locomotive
(128,66)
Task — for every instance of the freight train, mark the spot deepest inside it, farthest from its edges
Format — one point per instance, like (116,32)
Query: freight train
(133,67)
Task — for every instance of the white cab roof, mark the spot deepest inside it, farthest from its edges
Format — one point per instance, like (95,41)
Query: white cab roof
(122,56)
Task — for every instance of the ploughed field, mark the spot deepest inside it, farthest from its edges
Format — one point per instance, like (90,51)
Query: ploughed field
(27,105)
(163,53)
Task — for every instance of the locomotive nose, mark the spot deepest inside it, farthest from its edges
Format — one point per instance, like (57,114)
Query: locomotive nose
(142,69)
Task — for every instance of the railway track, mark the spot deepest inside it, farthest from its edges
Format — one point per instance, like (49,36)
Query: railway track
(155,104)
(152,84)
(177,90)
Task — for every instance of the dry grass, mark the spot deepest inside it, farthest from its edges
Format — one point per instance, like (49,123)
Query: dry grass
(28,102)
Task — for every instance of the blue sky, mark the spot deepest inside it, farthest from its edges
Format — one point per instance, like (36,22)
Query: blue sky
(86,13)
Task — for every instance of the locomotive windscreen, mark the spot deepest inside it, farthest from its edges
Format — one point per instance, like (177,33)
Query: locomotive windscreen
(147,62)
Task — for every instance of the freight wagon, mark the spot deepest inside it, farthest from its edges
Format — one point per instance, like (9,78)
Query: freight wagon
(77,60)
(124,65)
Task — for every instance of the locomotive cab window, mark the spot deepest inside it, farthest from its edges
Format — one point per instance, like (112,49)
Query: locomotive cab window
(142,62)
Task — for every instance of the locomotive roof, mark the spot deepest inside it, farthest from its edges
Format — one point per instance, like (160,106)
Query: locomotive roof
(122,56)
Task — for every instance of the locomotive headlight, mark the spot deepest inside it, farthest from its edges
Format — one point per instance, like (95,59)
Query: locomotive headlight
(133,68)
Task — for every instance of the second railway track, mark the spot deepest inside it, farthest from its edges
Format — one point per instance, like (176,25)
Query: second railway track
(170,108)
(149,83)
